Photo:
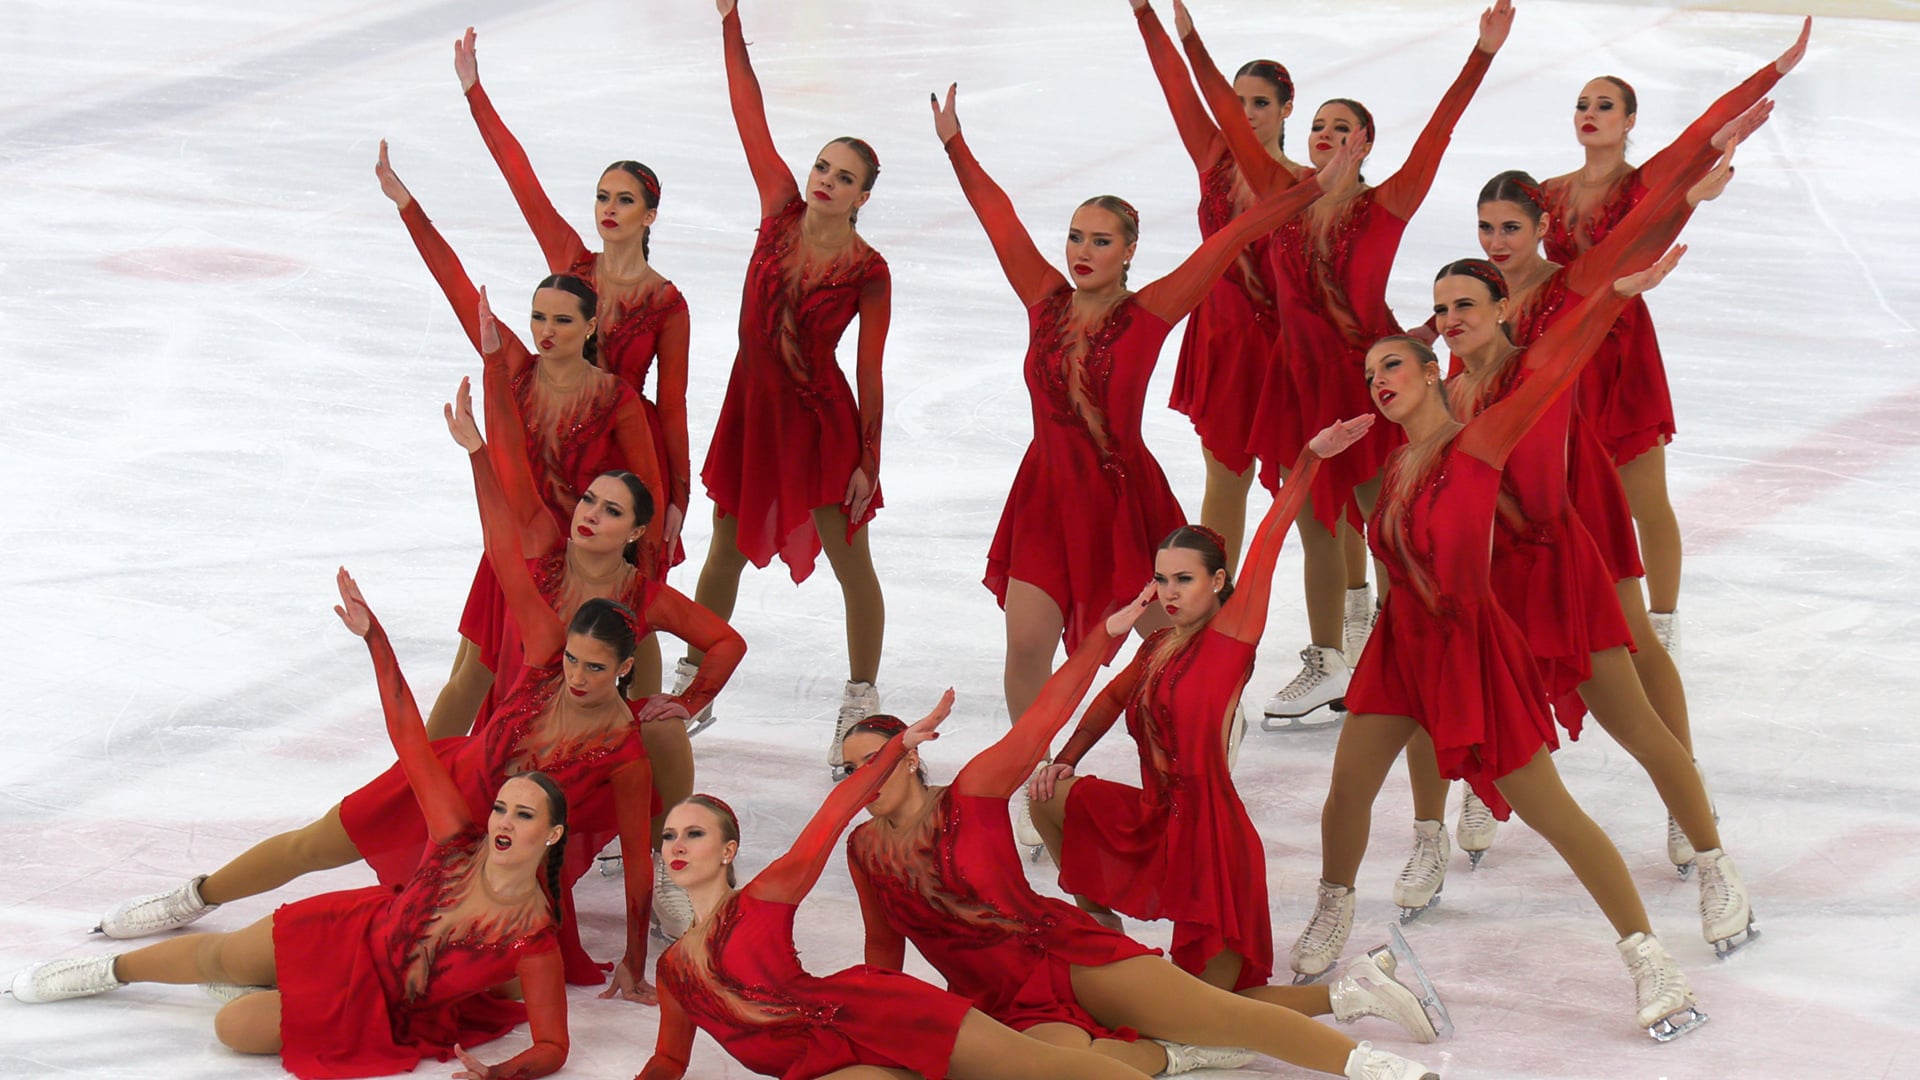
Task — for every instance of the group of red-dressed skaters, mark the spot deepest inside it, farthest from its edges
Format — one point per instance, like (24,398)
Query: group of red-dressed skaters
(1512,503)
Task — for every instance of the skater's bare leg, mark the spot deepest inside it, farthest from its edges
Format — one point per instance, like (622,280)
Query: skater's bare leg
(1325,578)
(719,587)
(1034,623)
(243,957)
(1145,1055)
(1158,999)
(1616,700)
(646,669)
(1224,506)
(1368,495)
(459,701)
(1659,675)
(1645,481)
(1537,795)
(988,1050)
(860,597)
(671,753)
(1366,751)
(277,860)
(1222,970)
(1423,774)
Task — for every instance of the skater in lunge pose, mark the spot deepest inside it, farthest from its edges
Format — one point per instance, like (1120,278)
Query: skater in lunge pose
(642,317)
(1624,392)
(1330,271)
(1229,338)
(584,738)
(937,866)
(1181,846)
(1547,572)
(1089,501)
(372,981)
(794,468)
(577,421)
(1446,658)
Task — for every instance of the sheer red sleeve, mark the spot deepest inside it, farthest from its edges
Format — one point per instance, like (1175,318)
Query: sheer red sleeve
(670,394)
(540,628)
(1258,167)
(1000,769)
(876,315)
(544,984)
(1197,132)
(770,175)
(673,1046)
(788,879)
(433,788)
(633,436)
(1402,193)
(539,533)
(1026,269)
(1244,615)
(886,946)
(1170,298)
(633,811)
(445,267)
(720,645)
(1646,232)
(1693,150)
(1103,712)
(560,245)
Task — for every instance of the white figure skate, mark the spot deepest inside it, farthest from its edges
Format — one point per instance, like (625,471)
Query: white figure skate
(1366,1063)
(1371,988)
(684,671)
(1357,625)
(144,915)
(857,702)
(672,910)
(1420,881)
(1726,919)
(1664,1003)
(1326,934)
(1321,684)
(1475,828)
(1182,1058)
(58,980)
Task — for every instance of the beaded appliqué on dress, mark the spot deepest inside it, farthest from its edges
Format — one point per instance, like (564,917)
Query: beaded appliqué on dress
(1575,228)
(693,971)
(804,305)
(1394,540)
(431,924)
(1075,381)
(1315,255)
(559,431)
(915,869)
(1223,196)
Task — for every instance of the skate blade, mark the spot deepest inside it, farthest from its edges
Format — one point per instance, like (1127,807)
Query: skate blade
(1336,712)
(1685,870)
(1035,852)
(1474,857)
(1728,946)
(612,865)
(701,721)
(1301,978)
(1408,914)
(1395,953)
(1676,1024)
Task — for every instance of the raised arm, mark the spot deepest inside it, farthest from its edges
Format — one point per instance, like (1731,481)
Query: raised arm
(770,175)
(1027,270)
(1244,615)
(673,1045)
(1000,769)
(1649,228)
(1555,361)
(1197,131)
(1257,166)
(559,243)
(788,879)
(886,946)
(1172,297)
(1702,139)
(543,982)
(633,437)
(720,645)
(1402,193)
(524,524)
(433,788)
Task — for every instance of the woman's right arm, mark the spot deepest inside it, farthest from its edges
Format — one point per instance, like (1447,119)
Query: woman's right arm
(441,262)
(1026,269)
(1197,131)
(1263,174)
(1094,723)
(673,1046)
(433,787)
(1701,141)
(886,946)
(770,175)
(558,242)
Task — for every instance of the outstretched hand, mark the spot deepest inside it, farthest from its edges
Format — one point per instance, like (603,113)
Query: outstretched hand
(1792,57)
(471,1068)
(923,729)
(1122,621)
(946,123)
(390,183)
(352,608)
(1738,128)
(1716,180)
(1635,284)
(466,63)
(725,7)
(1137,4)
(627,986)
(1182,20)
(1340,434)
(489,329)
(1495,22)
(460,422)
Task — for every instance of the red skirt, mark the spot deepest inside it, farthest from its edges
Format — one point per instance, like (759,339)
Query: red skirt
(1224,356)
(1593,486)
(1557,589)
(1315,380)
(1623,390)
(336,1018)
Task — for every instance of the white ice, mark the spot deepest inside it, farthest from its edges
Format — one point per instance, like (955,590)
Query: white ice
(229,365)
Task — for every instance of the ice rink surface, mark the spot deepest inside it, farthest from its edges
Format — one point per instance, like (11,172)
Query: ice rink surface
(229,365)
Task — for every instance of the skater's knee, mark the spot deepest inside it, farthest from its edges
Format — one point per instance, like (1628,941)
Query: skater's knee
(322,845)
(250,1024)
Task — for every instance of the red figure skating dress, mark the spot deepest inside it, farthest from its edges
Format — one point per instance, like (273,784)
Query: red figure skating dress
(1228,342)
(1181,846)
(1090,502)
(605,773)
(737,976)
(636,323)
(790,433)
(568,439)
(373,981)
(1444,652)
(1330,270)
(1548,572)
(1624,391)
(953,884)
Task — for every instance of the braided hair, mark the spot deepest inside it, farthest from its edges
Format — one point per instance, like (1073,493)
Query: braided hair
(557,851)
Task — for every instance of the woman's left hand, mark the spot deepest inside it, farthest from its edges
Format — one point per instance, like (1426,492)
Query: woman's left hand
(662,707)
(1495,22)
(923,730)
(670,532)
(460,422)
(471,1068)
(859,494)
(627,986)
(1122,620)
(1340,434)
(352,608)
(1635,284)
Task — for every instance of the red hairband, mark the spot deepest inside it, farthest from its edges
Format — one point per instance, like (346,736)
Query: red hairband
(882,724)
(720,804)
(1532,191)
(1213,538)
(871,156)
(1127,208)
(1274,68)
(1486,273)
